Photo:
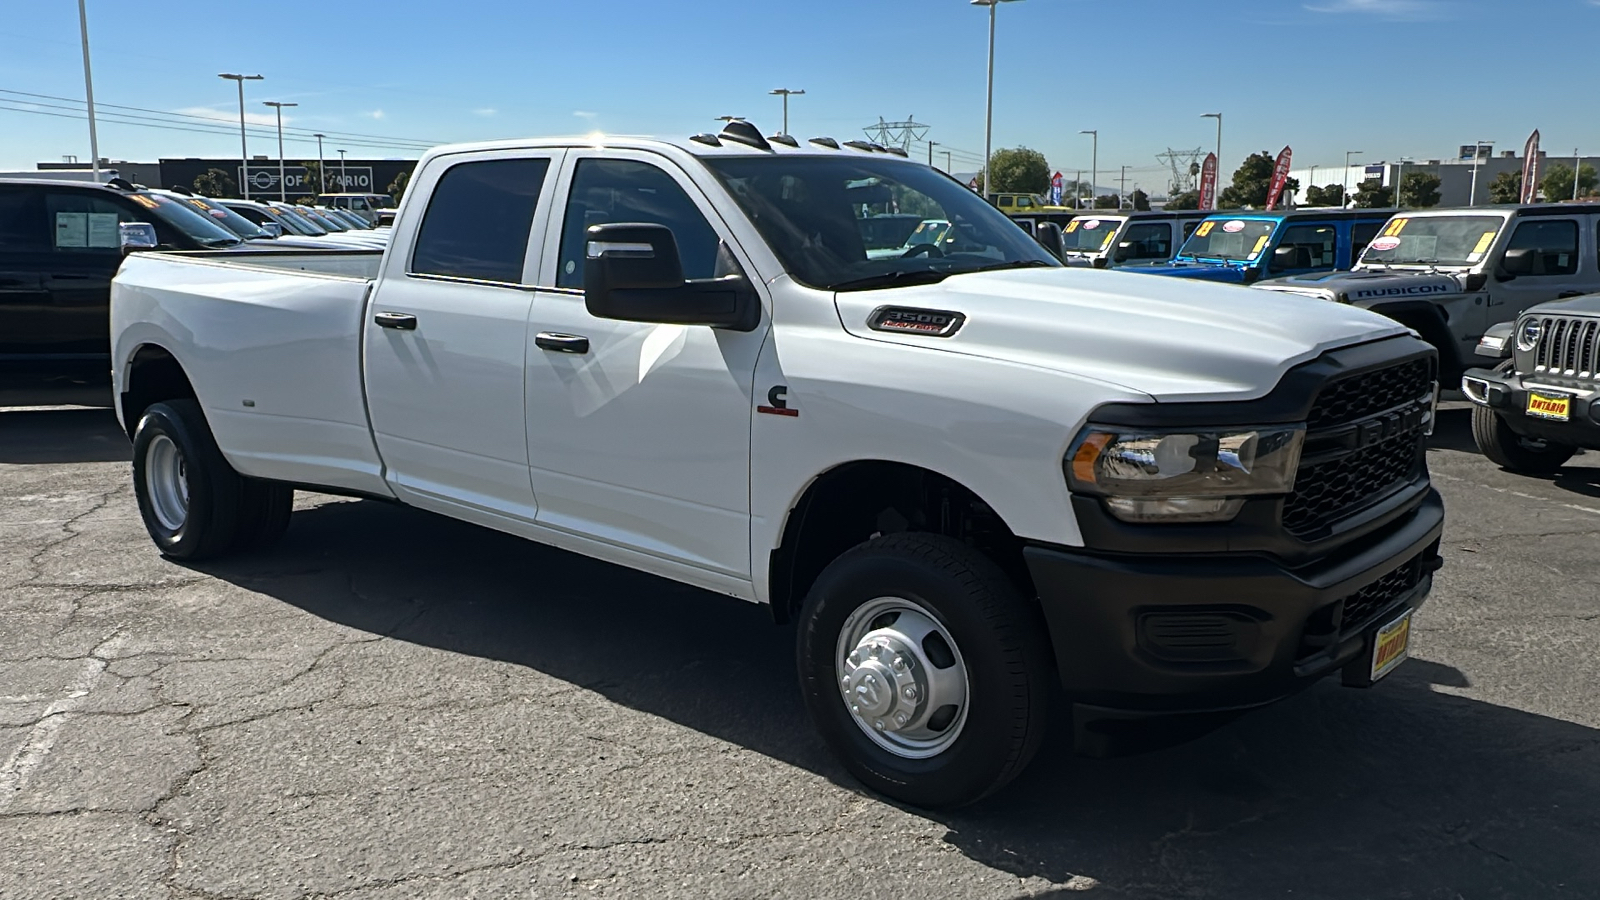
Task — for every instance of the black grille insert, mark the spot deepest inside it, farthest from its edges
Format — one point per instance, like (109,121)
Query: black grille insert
(1364,605)
(1348,399)
(1325,493)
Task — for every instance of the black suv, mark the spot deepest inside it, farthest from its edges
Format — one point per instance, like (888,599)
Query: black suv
(1541,404)
(59,248)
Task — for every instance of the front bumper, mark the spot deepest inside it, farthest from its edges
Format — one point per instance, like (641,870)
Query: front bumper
(1138,636)
(1507,394)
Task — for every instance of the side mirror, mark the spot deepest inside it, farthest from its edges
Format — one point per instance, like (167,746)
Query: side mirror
(1123,252)
(272,228)
(1518,262)
(1286,258)
(133,236)
(1048,234)
(633,273)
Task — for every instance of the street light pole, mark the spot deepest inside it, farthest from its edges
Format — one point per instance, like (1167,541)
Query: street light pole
(1094,167)
(322,172)
(1399,169)
(988,115)
(1215,193)
(786,94)
(88,90)
(344,182)
(1122,187)
(244,150)
(1477,156)
(946,160)
(931,145)
(1346,178)
(283,186)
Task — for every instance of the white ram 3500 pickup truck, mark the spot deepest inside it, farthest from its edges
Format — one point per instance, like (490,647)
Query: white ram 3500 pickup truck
(967,471)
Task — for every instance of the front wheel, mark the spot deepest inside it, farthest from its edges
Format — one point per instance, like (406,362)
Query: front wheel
(1509,450)
(924,669)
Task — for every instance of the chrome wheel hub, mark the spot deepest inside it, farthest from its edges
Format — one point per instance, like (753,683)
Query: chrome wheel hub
(166,478)
(902,678)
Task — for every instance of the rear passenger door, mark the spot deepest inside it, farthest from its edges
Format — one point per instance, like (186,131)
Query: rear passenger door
(446,334)
(24,255)
(85,252)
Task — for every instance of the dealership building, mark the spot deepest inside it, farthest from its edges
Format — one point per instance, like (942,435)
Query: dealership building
(1456,175)
(365,176)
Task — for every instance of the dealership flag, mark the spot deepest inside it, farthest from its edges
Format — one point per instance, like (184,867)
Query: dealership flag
(1530,167)
(1208,182)
(1057,189)
(1280,177)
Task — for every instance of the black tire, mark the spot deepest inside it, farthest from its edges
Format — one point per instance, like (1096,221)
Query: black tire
(1509,450)
(264,510)
(999,635)
(209,526)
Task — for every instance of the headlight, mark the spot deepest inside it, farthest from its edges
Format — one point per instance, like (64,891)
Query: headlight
(1528,335)
(1183,476)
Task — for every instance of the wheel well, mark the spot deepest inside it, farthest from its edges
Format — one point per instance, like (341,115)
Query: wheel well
(853,503)
(1428,321)
(153,376)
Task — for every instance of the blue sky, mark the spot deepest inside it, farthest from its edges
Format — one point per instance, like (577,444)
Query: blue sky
(1388,77)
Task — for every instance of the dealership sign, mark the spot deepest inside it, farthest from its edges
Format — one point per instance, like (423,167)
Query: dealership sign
(264,179)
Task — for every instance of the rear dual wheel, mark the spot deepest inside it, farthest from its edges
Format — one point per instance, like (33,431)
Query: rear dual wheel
(194,505)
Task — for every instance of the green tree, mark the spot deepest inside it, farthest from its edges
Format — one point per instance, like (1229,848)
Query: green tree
(1373,194)
(397,187)
(314,182)
(1139,199)
(1557,182)
(1107,201)
(1328,195)
(1185,200)
(1018,170)
(1506,188)
(214,183)
(1419,190)
(1252,181)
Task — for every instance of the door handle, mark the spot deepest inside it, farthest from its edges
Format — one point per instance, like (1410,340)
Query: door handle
(561,343)
(1565,294)
(400,321)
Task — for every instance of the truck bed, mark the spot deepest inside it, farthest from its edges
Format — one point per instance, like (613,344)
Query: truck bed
(271,342)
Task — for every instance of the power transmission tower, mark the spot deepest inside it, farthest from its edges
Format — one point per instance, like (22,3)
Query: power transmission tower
(1184,164)
(896,134)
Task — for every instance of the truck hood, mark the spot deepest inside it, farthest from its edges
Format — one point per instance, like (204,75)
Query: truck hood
(1368,286)
(1200,271)
(1172,340)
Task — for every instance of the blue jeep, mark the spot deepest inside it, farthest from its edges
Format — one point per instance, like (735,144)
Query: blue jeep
(1244,246)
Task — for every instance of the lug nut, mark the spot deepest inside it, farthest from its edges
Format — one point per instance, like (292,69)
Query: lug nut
(899,662)
(910,693)
(845,681)
(900,719)
(878,724)
(855,708)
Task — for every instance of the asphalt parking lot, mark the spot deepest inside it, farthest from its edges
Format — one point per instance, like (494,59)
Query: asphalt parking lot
(394,706)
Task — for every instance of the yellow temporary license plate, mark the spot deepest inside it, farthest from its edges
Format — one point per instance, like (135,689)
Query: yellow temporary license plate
(1391,645)
(1549,406)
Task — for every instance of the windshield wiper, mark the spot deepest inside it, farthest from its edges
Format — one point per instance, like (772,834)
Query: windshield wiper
(893,279)
(1017,264)
(221,242)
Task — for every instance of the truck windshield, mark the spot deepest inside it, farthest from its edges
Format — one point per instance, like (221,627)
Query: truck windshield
(185,218)
(227,218)
(1241,240)
(1433,240)
(1089,235)
(809,210)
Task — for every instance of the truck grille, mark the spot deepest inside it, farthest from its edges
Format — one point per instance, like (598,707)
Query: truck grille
(1567,347)
(1373,423)
(1362,606)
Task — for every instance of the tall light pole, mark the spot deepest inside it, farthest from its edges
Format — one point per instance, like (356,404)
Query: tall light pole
(785,93)
(344,183)
(988,115)
(1122,187)
(1215,193)
(1094,167)
(322,173)
(1346,178)
(88,90)
(1477,156)
(932,144)
(947,162)
(1577,169)
(1399,169)
(244,151)
(283,186)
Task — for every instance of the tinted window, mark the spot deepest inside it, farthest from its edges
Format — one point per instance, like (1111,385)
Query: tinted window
(1361,234)
(617,190)
(478,220)
(1313,247)
(1149,240)
(1555,245)
(85,223)
(22,220)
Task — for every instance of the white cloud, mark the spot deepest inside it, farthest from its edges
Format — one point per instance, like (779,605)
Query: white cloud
(232,115)
(375,114)
(1410,10)
(486,112)
(585,114)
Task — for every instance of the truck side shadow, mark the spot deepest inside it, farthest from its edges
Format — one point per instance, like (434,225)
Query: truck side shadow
(43,436)
(1400,791)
